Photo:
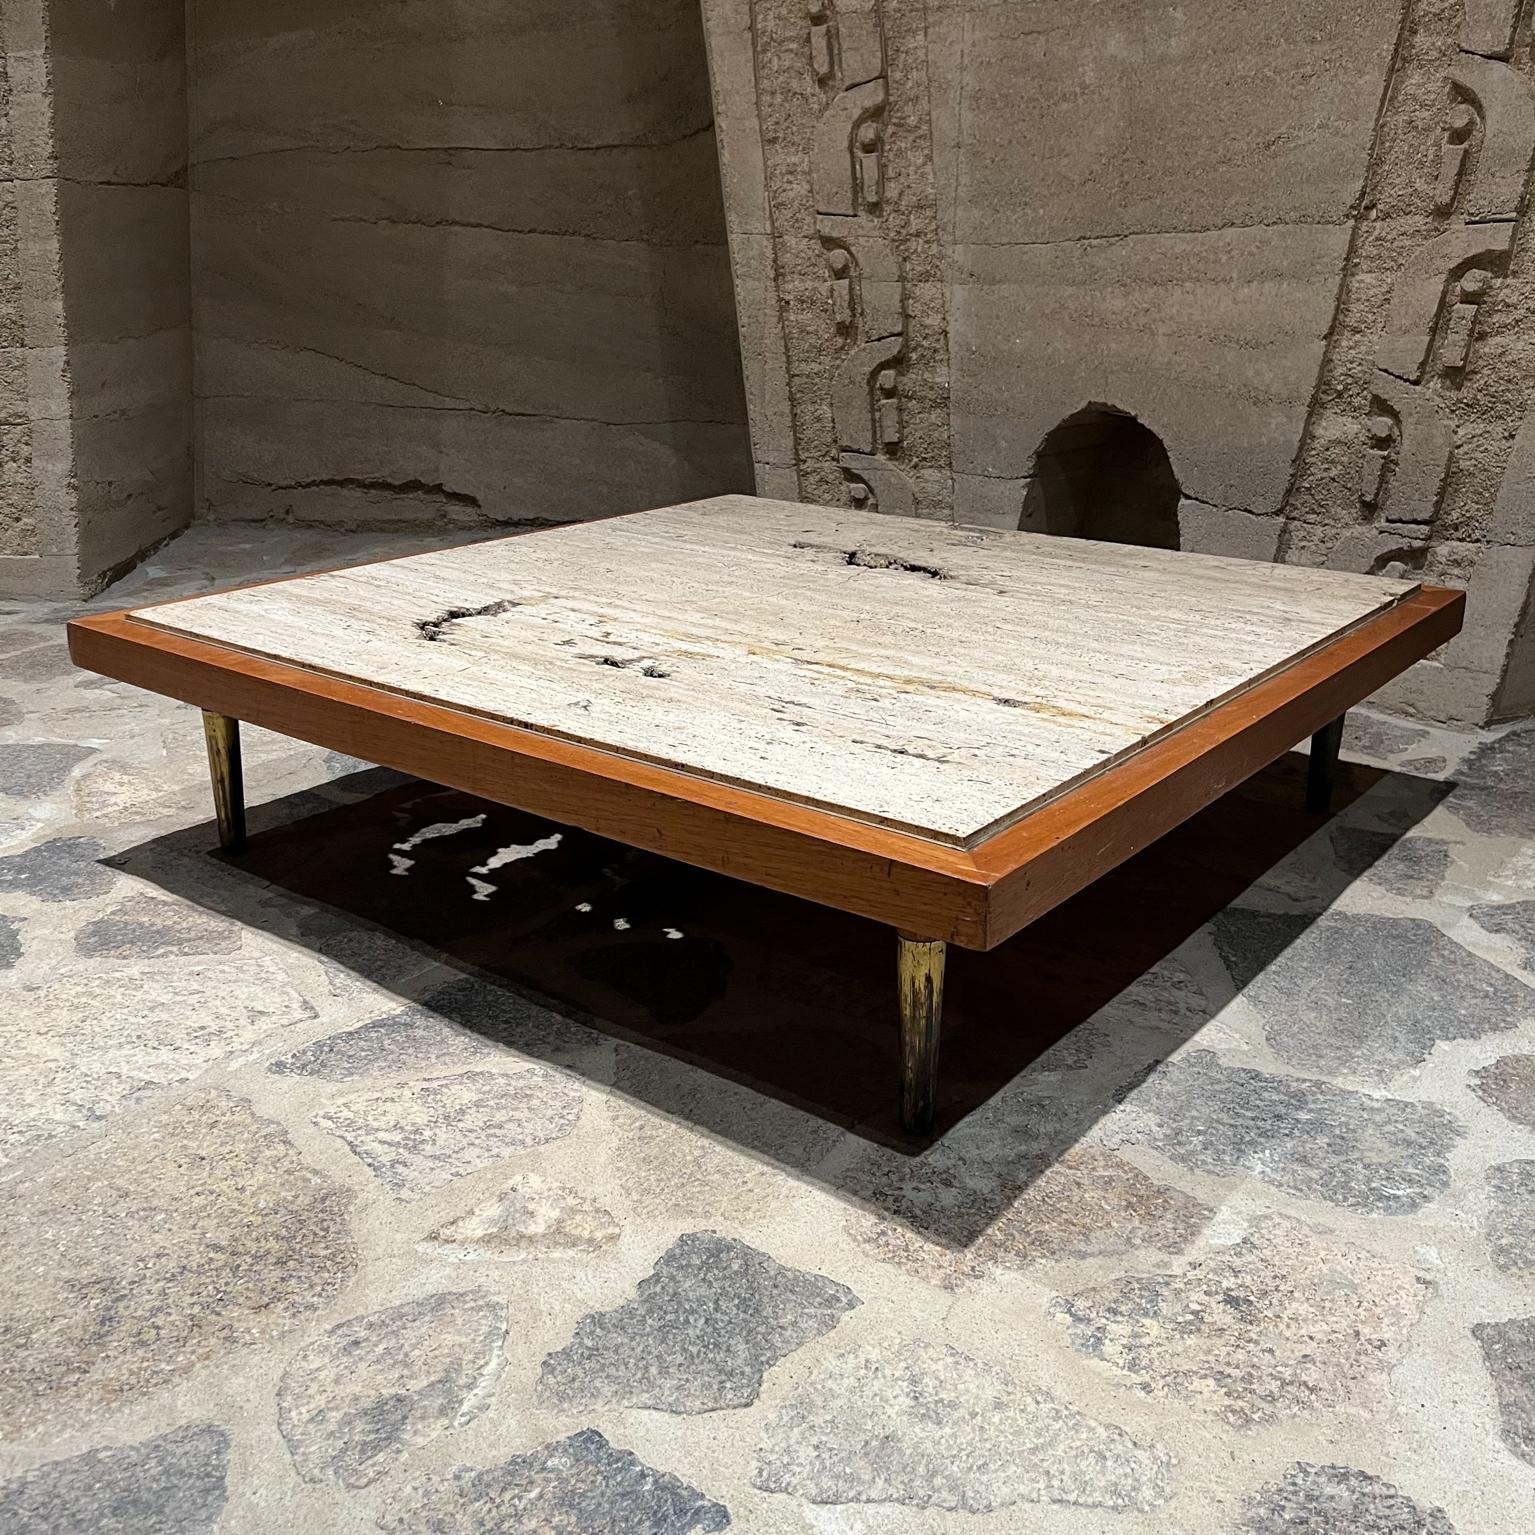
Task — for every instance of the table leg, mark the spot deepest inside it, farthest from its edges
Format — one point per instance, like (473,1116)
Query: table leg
(1323,767)
(919,982)
(223,737)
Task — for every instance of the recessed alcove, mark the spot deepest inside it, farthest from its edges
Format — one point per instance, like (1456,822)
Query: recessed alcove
(1101,474)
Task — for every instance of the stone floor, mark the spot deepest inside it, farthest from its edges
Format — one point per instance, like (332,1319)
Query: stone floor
(317,1215)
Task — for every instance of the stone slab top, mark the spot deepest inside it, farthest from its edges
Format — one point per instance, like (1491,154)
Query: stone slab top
(940,680)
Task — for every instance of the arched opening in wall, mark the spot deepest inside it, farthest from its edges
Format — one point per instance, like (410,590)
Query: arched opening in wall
(1101,474)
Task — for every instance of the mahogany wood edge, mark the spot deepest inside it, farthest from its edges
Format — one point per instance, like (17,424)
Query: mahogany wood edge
(840,862)
(975,899)
(1049,856)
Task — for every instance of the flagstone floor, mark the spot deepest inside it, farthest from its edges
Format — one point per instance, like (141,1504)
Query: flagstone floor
(435,1169)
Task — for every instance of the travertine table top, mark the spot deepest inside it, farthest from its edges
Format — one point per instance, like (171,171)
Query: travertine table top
(941,680)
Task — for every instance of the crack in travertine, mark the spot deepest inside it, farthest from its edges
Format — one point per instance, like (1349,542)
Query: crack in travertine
(433,629)
(873,559)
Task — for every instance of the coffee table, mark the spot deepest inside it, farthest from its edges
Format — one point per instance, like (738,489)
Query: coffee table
(947,729)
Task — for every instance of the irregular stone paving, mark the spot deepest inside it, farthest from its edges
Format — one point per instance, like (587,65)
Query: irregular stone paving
(703,1328)
(1410,866)
(412,1039)
(461,1024)
(1379,737)
(96,1042)
(1084,1202)
(1509,1351)
(1338,1500)
(1514,921)
(1494,789)
(1351,1149)
(418,1136)
(1508,1084)
(63,869)
(30,770)
(578,1486)
(1366,996)
(529,1218)
(170,1485)
(155,929)
(353,1401)
(302,1229)
(1511,1218)
(908,1421)
(1288,1320)
(196,1230)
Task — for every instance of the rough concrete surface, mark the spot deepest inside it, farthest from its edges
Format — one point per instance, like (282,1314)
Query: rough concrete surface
(458,267)
(419,266)
(308,1229)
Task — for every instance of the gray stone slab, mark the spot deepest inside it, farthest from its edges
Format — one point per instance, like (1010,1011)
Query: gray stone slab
(1337,1500)
(354,1401)
(1350,993)
(577,1486)
(1513,920)
(410,1040)
(1289,1321)
(13,640)
(117,794)
(148,927)
(464,1023)
(61,869)
(1508,1351)
(1410,866)
(170,1485)
(46,663)
(344,944)
(1084,1203)
(33,769)
(1381,1155)
(1511,1218)
(1379,736)
(914,1422)
(1494,789)
(1508,1084)
(99,1039)
(418,1136)
(703,1328)
(529,1218)
(190,1231)
(10,942)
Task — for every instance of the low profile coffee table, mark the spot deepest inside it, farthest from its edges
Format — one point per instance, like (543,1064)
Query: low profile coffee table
(947,729)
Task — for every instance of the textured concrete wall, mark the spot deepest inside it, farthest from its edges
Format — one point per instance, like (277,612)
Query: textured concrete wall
(119,89)
(1288,239)
(458,261)
(95,349)
(37,523)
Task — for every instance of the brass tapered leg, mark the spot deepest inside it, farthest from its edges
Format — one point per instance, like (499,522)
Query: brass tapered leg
(919,985)
(1322,769)
(223,737)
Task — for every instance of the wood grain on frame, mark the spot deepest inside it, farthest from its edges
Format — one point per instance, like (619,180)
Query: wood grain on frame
(976,898)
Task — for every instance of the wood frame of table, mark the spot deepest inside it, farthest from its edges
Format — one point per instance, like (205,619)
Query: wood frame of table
(932,894)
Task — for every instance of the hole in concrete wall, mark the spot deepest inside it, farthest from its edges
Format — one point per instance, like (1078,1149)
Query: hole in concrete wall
(1101,474)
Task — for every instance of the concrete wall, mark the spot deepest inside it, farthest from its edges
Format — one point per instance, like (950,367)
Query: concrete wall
(458,261)
(96,343)
(119,85)
(1287,239)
